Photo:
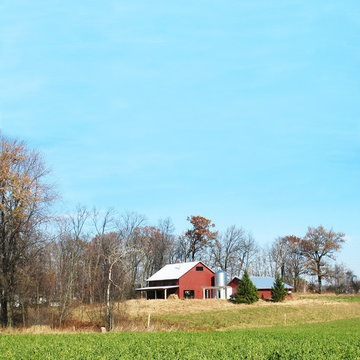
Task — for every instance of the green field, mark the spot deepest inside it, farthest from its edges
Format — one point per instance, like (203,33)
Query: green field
(331,340)
(337,298)
(250,317)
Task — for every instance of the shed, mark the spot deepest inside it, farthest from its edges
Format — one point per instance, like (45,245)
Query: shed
(263,285)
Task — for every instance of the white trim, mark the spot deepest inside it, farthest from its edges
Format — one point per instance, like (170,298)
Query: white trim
(148,288)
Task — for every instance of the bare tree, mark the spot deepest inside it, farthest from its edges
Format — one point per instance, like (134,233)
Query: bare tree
(280,251)
(103,222)
(318,245)
(24,200)
(167,230)
(128,228)
(115,251)
(295,262)
(341,279)
(155,246)
(262,263)
(246,253)
(70,259)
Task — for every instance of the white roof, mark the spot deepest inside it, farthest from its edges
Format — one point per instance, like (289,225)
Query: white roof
(172,271)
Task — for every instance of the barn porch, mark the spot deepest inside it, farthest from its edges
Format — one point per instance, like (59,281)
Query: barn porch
(159,292)
(216,292)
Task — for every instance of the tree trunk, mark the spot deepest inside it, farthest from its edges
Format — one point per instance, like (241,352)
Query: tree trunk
(319,278)
(11,315)
(282,271)
(108,319)
(319,284)
(4,309)
(23,314)
(296,280)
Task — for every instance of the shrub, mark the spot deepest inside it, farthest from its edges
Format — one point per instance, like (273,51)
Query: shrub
(246,292)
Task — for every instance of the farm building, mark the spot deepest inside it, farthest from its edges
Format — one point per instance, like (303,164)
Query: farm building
(191,280)
(262,283)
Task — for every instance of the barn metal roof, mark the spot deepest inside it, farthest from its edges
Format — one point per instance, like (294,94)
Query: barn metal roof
(173,271)
(264,282)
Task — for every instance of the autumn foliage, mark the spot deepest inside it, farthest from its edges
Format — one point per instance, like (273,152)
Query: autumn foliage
(200,236)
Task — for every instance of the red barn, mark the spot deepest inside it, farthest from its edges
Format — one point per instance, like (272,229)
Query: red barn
(263,285)
(186,280)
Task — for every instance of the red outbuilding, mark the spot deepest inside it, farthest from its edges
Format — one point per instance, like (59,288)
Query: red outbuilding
(263,285)
(186,280)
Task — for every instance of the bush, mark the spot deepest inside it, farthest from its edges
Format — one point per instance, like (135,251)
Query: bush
(278,291)
(246,292)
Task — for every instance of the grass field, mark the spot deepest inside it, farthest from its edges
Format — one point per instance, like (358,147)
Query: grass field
(172,315)
(307,327)
(331,340)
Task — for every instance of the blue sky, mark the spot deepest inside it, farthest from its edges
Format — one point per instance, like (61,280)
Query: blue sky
(245,112)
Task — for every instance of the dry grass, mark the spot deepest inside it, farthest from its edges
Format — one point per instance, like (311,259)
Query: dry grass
(42,329)
(142,307)
(210,314)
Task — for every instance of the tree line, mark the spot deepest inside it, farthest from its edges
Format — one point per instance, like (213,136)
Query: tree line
(93,256)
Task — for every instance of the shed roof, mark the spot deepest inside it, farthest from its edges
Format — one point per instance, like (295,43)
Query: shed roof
(173,271)
(264,282)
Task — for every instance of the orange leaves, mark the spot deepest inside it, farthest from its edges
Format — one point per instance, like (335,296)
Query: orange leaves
(200,235)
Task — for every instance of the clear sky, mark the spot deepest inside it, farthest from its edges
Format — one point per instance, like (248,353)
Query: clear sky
(245,112)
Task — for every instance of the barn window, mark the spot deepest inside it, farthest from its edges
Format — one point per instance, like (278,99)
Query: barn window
(199,268)
(188,294)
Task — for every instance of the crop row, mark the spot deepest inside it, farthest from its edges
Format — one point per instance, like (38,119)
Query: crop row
(333,340)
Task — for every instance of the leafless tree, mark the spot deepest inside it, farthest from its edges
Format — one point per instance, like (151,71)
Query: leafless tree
(319,245)
(128,228)
(262,263)
(70,259)
(167,230)
(246,253)
(296,262)
(280,251)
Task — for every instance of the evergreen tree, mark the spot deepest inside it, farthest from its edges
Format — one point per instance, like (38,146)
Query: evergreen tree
(278,291)
(246,292)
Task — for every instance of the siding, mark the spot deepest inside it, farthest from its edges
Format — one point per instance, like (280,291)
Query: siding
(194,280)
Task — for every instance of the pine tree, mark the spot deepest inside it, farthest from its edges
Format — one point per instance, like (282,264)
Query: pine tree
(278,291)
(246,292)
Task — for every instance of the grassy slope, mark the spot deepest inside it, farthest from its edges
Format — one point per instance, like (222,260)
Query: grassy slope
(132,315)
(333,340)
(260,316)
(334,298)
(214,315)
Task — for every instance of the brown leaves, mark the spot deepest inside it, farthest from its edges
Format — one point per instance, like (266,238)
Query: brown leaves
(200,235)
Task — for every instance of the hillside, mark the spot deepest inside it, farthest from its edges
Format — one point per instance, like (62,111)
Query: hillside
(167,315)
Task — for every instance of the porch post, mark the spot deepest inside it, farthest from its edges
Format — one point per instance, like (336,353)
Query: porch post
(165,293)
